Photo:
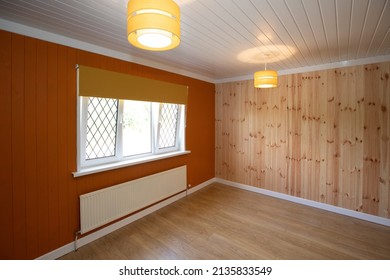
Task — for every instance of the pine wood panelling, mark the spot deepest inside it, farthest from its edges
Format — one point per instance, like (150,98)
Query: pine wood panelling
(332,140)
(39,197)
(219,163)
(384,179)
(349,126)
(323,123)
(322,136)
(372,128)
(271,131)
(294,116)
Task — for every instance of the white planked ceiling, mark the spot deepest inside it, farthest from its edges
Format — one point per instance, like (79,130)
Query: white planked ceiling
(221,39)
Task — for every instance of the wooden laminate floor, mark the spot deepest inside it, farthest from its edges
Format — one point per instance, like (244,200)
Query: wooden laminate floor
(222,222)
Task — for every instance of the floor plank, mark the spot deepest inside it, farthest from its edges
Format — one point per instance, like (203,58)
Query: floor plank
(222,222)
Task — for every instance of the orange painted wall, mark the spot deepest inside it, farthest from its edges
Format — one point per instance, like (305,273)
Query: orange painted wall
(39,210)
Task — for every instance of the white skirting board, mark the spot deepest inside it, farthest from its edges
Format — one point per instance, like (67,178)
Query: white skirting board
(315,204)
(104,231)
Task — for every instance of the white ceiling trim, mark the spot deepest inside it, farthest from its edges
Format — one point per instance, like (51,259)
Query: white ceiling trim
(69,42)
(62,40)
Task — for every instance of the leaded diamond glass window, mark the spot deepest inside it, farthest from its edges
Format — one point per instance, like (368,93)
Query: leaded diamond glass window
(101,128)
(168,125)
(115,130)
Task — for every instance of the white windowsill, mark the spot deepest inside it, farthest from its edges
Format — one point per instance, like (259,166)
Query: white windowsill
(110,166)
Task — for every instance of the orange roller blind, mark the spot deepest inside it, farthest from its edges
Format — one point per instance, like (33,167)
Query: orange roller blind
(107,84)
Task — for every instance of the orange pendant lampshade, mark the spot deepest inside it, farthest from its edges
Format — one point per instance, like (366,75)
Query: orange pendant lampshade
(266,79)
(153,24)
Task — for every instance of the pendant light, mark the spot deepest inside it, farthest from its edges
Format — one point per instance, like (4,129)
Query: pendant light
(266,78)
(153,24)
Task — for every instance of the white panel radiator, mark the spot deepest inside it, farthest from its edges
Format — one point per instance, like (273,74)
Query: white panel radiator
(103,206)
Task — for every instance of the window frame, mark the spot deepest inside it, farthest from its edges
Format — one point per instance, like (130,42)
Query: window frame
(83,162)
(120,133)
(180,117)
(85,166)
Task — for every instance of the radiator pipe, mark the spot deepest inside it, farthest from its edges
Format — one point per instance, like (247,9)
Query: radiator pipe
(75,240)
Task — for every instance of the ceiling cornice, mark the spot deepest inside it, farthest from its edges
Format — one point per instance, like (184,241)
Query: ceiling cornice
(362,61)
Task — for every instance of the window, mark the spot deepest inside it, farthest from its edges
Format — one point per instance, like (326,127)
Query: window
(124,120)
(113,131)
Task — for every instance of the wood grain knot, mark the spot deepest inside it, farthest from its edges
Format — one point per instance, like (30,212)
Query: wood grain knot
(373,160)
(348,142)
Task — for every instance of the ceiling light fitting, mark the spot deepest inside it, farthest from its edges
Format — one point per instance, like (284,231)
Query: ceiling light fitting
(266,78)
(153,24)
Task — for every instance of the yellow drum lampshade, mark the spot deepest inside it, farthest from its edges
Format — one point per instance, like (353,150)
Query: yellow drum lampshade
(153,24)
(266,79)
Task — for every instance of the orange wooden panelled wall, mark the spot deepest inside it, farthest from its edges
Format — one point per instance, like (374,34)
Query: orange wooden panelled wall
(39,208)
(323,136)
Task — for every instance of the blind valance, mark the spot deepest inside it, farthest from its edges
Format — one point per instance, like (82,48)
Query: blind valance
(107,84)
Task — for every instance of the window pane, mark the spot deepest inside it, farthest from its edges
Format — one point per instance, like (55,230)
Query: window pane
(137,138)
(101,128)
(168,125)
